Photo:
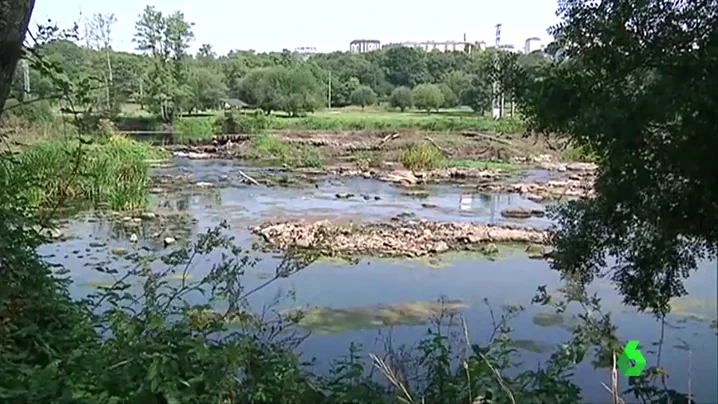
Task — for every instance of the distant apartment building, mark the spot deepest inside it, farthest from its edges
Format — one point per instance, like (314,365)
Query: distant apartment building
(445,46)
(532,44)
(305,51)
(364,45)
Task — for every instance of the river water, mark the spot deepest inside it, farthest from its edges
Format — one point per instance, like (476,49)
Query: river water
(351,292)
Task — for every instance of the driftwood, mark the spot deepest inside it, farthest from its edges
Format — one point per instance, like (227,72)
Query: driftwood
(430,140)
(248,178)
(387,138)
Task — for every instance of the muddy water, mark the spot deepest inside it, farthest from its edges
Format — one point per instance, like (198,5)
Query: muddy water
(350,294)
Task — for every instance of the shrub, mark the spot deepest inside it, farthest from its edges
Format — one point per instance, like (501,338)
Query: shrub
(363,96)
(428,97)
(422,156)
(402,98)
(192,129)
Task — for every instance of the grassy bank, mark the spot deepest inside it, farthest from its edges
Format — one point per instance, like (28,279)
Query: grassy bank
(199,128)
(112,172)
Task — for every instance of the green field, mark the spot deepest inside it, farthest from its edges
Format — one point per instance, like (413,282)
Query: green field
(201,126)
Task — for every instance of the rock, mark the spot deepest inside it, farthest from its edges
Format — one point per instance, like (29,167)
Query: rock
(439,247)
(96,244)
(344,195)
(399,176)
(127,219)
(169,241)
(533,197)
(147,215)
(204,184)
(377,198)
(519,212)
(133,238)
(366,197)
(428,206)
(490,249)
(417,194)
(137,220)
(119,251)
(535,251)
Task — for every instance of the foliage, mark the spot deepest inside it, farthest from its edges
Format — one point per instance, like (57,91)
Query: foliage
(279,151)
(206,89)
(477,93)
(192,129)
(450,98)
(363,96)
(428,97)
(629,84)
(422,156)
(402,98)
(113,173)
(292,90)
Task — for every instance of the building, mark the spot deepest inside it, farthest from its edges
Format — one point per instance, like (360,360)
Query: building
(532,44)
(445,46)
(305,51)
(364,45)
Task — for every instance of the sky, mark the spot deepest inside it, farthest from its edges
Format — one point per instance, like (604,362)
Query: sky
(326,25)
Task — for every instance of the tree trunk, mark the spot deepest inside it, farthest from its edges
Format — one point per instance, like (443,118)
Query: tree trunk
(14,19)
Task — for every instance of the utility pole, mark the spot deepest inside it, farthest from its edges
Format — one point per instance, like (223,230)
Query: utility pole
(497,110)
(329,98)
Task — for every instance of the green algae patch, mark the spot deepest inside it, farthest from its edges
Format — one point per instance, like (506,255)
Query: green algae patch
(692,309)
(549,319)
(531,345)
(326,320)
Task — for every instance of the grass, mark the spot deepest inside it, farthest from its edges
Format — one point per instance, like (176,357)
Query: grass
(113,172)
(275,150)
(425,156)
(343,119)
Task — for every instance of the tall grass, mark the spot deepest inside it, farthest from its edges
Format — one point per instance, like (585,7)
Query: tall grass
(275,150)
(113,173)
(422,156)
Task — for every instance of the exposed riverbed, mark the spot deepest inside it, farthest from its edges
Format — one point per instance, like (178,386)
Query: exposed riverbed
(354,299)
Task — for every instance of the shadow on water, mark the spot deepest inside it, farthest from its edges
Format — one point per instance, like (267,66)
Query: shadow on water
(352,301)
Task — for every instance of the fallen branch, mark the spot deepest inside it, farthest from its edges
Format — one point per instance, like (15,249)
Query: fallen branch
(448,153)
(248,178)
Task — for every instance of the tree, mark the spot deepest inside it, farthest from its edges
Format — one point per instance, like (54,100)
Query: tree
(402,98)
(166,39)
(450,99)
(428,97)
(630,83)
(293,90)
(207,88)
(476,93)
(405,66)
(99,36)
(363,96)
(14,21)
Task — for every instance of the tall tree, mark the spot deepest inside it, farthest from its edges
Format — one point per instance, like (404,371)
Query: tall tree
(99,36)
(635,81)
(14,20)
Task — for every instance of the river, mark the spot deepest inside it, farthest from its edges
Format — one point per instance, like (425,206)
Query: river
(358,288)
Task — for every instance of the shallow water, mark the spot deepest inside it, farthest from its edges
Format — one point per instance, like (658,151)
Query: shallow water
(510,280)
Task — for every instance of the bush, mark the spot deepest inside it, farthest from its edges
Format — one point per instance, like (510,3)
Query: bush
(193,129)
(428,97)
(18,114)
(363,96)
(113,173)
(239,123)
(402,98)
(422,156)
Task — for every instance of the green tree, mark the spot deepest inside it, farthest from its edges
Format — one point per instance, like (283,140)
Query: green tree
(405,66)
(629,82)
(293,90)
(363,96)
(477,93)
(450,98)
(428,97)
(166,39)
(402,98)
(207,88)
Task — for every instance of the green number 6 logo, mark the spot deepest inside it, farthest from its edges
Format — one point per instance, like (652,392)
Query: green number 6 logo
(631,353)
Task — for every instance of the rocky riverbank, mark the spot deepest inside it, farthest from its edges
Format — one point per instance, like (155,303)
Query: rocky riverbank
(398,238)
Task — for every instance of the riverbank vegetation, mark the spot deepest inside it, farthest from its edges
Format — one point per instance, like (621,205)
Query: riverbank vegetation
(154,344)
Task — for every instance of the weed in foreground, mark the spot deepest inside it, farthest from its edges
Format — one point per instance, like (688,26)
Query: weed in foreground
(422,156)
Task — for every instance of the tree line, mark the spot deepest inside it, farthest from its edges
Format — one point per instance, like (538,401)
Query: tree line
(165,78)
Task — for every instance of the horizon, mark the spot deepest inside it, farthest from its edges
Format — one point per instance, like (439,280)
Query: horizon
(302,24)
